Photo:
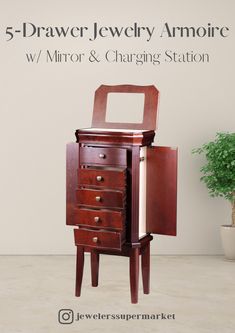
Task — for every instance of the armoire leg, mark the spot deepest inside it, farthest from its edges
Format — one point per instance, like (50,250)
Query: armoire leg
(145,265)
(134,274)
(79,270)
(94,268)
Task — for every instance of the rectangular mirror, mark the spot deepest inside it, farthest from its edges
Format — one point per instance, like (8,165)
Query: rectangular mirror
(125,108)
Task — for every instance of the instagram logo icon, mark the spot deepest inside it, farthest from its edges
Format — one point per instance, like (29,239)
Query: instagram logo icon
(65,316)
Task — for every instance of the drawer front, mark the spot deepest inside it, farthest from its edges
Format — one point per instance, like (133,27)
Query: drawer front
(106,178)
(99,218)
(101,198)
(103,156)
(98,239)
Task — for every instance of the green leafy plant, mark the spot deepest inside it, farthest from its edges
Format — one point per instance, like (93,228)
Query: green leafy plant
(219,170)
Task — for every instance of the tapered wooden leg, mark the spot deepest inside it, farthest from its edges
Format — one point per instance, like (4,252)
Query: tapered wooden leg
(94,268)
(134,274)
(79,270)
(145,265)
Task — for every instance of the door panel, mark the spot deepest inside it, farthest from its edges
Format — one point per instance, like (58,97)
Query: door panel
(71,181)
(161,189)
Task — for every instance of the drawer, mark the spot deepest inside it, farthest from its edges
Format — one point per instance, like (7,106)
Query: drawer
(98,239)
(103,156)
(105,178)
(101,198)
(99,218)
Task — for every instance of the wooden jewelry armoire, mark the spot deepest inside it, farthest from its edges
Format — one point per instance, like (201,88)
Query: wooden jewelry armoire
(120,188)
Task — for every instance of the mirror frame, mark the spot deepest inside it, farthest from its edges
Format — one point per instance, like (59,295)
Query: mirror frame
(150,106)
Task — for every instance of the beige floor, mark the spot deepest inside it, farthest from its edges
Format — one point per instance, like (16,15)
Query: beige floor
(199,290)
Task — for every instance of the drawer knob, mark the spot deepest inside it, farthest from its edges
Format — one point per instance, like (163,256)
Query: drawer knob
(95,239)
(101,155)
(99,178)
(96,219)
(98,199)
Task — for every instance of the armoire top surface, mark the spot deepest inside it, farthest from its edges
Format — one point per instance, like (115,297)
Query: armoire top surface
(121,130)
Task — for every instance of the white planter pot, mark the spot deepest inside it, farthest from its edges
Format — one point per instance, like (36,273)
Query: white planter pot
(228,241)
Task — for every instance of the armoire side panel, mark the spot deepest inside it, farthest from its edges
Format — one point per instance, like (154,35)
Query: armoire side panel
(161,190)
(72,155)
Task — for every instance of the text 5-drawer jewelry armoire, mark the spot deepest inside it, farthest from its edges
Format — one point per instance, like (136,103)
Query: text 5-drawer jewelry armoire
(120,188)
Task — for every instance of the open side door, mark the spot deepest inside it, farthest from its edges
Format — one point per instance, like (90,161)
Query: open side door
(161,190)
(72,154)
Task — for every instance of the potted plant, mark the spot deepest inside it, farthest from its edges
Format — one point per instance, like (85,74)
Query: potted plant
(219,176)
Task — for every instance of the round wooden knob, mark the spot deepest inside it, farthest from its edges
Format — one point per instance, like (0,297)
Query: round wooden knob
(96,219)
(95,239)
(98,199)
(99,178)
(101,155)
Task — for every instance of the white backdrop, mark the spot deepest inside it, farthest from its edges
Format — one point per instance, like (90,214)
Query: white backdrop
(42,105)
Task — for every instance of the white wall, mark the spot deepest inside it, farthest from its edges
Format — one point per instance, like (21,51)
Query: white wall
(42,105)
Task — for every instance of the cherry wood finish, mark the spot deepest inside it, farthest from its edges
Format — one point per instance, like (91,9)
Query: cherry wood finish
(126,251)
(103,177)
(145,267)
(106,209)
(150,106)
(79,270)
(100,218)
(103,156)
(101,198)
(95,257)
(161,190)
(87,136)
(134,274)
(72,154)
(126,247)
(98,239)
